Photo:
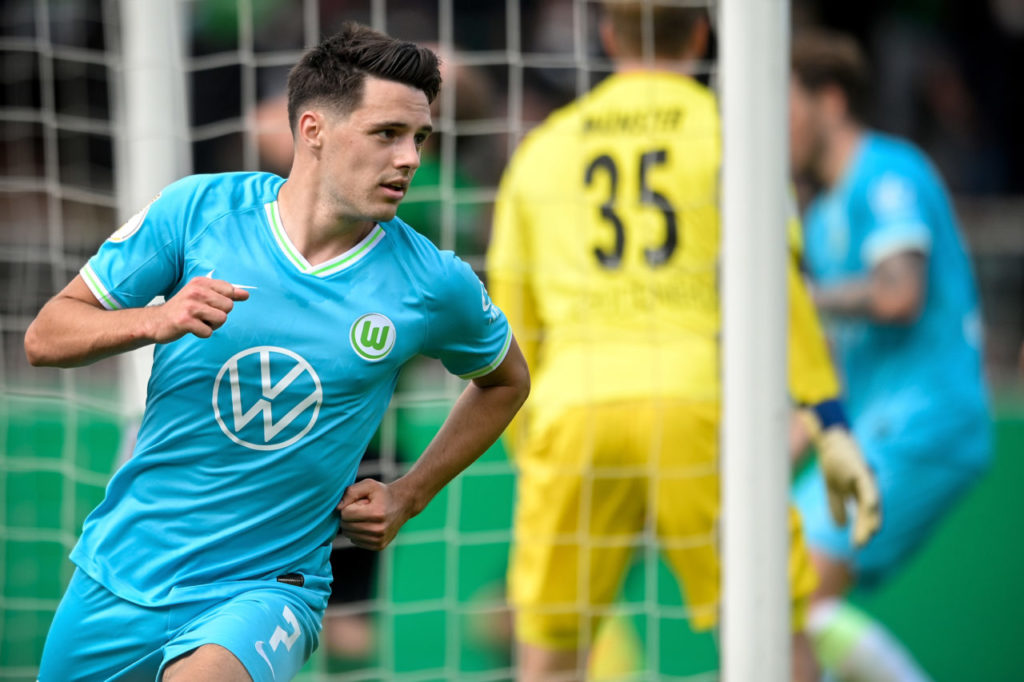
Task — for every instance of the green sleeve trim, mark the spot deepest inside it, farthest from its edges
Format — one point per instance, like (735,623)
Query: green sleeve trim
(493,365)
(98,290)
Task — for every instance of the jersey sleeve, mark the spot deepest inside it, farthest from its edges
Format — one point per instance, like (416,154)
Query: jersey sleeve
(812,377)
(508,276)
(467,332)
(143,258)
(896,221)
(508,267)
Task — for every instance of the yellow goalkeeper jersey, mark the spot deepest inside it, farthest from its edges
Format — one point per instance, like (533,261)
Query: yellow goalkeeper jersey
(604,252)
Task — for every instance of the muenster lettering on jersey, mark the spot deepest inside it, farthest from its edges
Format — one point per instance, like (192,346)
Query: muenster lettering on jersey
(652,121)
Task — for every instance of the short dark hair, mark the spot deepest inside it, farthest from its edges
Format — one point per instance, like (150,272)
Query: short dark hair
(672,27)
(333,72)
(822,58)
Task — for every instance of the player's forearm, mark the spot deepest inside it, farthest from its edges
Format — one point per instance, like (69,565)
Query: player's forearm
(851,299)
(871,299)
(474,424)
(71,333)
(892,294)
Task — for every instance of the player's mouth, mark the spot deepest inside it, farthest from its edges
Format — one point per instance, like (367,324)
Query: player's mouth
(395,190)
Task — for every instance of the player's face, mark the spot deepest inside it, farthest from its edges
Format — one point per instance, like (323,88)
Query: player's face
(371,155)
(805,137)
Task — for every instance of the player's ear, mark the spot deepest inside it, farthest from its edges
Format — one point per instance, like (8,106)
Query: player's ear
(697,45)
(832,100)
(608,41)
(311,129)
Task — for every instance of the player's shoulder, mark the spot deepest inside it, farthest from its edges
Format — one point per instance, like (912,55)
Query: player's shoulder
(894,155)
(894,174)
(644,88)
(680,99)
(557,135)
(685,89)
(618,92)
(436,276)
(546,139)
(415,254)
(203,198)
(231,190)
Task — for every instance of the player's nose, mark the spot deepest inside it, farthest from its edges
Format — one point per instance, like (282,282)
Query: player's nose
(407,154)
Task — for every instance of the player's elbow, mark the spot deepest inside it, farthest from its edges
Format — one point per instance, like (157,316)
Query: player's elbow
(524,385)
(898,308)
(897,288)
(40,349)
(517,382)
(35,347)
(515,374)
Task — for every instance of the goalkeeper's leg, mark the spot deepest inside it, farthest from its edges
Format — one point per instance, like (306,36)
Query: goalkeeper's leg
(686,498)
(578,513)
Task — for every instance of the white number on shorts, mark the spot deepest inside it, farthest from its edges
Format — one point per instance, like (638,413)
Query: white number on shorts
(280,635)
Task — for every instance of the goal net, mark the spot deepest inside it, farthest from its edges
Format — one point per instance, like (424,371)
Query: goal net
(434,605)
(59,430)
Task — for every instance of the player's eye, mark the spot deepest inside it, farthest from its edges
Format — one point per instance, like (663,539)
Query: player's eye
(421,139)
(386,134)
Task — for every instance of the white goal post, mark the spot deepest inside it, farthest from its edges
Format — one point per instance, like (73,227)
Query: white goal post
(152,144)
(754,464)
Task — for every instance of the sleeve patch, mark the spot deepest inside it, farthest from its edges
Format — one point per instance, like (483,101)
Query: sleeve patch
(133,224)
(892,196)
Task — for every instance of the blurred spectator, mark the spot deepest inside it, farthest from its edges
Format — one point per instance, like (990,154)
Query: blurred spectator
(947,77)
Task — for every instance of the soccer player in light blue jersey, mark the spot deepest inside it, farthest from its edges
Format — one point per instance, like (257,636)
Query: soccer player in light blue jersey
(891,272)
(290,307)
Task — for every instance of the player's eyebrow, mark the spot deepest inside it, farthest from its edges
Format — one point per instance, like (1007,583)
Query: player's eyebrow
(403,125)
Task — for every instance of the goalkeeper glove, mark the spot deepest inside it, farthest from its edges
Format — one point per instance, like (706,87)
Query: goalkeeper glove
(847,476)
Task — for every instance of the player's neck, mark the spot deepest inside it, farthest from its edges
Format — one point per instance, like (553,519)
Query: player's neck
(639,65)
(842,146)
(317,232)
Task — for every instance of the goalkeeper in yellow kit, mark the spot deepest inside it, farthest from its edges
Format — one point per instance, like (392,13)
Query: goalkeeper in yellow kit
(604,257)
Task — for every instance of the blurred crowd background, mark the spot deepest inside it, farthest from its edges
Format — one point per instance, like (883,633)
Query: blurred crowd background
(947,75)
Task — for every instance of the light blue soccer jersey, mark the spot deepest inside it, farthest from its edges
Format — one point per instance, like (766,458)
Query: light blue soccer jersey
(903,378)
(250,437)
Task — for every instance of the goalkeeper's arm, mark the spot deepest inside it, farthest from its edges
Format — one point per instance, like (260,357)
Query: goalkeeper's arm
(847,476)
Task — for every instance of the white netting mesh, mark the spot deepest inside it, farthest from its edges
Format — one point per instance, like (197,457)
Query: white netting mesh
(435,605)
(58,430)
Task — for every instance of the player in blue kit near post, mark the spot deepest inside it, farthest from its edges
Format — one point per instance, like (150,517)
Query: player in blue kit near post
(290,307)
(891,273)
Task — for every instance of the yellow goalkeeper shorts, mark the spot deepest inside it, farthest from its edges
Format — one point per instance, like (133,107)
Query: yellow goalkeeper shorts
(590,484)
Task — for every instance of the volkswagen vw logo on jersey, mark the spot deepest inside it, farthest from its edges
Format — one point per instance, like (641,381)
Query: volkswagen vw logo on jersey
(266,398)
(372,336)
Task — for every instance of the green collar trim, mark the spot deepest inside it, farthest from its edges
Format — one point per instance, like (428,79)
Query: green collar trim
(336,264)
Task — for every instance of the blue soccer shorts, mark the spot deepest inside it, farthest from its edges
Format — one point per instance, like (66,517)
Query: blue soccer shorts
(920,478)
(97,635)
